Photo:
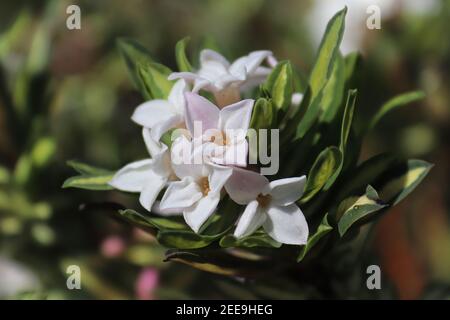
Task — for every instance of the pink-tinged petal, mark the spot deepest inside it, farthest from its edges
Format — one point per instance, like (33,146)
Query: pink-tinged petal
(134,176)
(208,55)
(187,76)
(286,191)
(167,212)
(236,116)
(150,113)
(255,59)
(197,215)
(244,186)
(151,191)
(181,194)
(287,224)
(176,96)
(218,177)
(256,78)
(252,218)
(146,283)
(200,112)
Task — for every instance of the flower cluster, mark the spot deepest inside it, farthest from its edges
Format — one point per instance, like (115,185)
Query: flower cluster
(207,157)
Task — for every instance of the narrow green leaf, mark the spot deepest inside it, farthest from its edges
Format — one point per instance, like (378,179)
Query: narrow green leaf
(396,102)
(333,92)
(321,231)
(348,118)
(280,85)
(345,131)
(262,115)
(182,239)
(153,77)
(328,51)
(397,188)
(149,77)
(321,72)
(89,182)
(153,222)
(86,169)
(323,168)
(180,55)
(91,178)
(361,209)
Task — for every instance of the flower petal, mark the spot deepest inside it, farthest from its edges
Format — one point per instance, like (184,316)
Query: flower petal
(197,215)
(199,109)
(134,176)
(287,224)
(250,220)
(151,190)
(244,186)
(234,155)
(286,191)
(150,113)
(208,55)
(236,116)
(154,147)
(176,96)
(218,177)
(181,194)
(167,212)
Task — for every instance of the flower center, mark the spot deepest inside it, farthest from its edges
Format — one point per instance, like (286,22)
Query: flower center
(264,199)
(220,138)
(204,186)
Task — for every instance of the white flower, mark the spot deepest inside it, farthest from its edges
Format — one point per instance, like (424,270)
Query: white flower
(226,80)
(162,115)
(270,205)
(147,176)
(197,194)
(223,130)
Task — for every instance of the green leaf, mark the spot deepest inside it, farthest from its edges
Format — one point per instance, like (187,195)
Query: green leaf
(153,77)
(149,77)
(321,72)
(159,223)
(89,182)
(345,131)
(397,188)
(328,50)
(86,169)
(180,55)
(360,209)
(348,118)
(183,239)
(324,167)
(333,92)
(258,239)
(396,102)
(262,115)
(280,85)
(321,231)
(91,178)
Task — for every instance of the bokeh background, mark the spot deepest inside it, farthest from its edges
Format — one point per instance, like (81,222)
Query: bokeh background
(72,99)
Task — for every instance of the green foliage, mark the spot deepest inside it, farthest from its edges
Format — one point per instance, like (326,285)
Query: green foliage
(323,129)
(180,55)
(91,178)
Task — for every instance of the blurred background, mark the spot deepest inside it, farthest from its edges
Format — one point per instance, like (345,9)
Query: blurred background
(65,94)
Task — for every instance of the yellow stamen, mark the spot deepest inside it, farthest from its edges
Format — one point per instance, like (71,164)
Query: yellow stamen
(264,200)
(204,186)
